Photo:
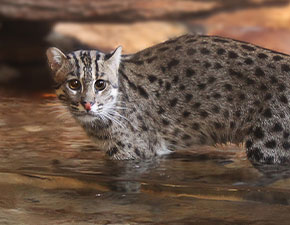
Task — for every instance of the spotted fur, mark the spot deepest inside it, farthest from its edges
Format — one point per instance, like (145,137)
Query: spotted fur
(192,90)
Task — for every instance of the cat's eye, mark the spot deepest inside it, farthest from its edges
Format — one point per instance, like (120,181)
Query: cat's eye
(100,85)
(74,84)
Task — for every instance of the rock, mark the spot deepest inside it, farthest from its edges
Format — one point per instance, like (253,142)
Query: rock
(120,11)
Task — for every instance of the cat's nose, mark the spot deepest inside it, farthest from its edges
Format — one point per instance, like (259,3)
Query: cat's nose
(87,105)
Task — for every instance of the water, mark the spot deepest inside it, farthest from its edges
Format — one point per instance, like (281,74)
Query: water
(51,173)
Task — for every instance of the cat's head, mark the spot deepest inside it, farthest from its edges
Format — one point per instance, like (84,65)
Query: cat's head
(86,81)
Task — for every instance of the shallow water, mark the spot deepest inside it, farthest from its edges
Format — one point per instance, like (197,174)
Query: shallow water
(51,173)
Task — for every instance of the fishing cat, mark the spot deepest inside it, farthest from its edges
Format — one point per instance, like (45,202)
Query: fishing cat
(191,90)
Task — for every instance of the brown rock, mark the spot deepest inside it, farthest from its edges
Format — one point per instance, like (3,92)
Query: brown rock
(120,10)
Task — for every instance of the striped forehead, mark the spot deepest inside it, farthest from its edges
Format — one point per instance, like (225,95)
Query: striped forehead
(86,64)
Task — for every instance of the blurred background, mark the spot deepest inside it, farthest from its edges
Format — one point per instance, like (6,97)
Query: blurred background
(29,27)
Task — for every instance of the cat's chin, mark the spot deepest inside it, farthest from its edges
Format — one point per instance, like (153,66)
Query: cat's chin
(86,118)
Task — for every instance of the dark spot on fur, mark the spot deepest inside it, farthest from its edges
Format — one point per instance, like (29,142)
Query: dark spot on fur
(190,51)
(196,105)
(251,110)
(172,63)
(188,97)
(285,134)
(142,92)
(137,152)
(163,49)
(160,110)
(191,41)
(249,143)
(139,117)
(185,114)
(204,51)
(259,133)
(220,40)
(62,97)
(144,128)
(175,79)
(271,144)
(218,66)
(255,154)
(228,87)
(195,126)
(250,81)
(267,113)
(285,67)
(259,72)
(268,96)
(257,102)
(277,127)
(263,87)
(215,109)
(283,99)
(221,51)
(189,72)
(217,95)
(152,78)
(137,62)
(150,60)
(277,58)
(217,125)
(269,160)
(238,113)
(249,61)
(235,73)
(121,144)
(112,151)
(202,139)
(286,145)
(173,102)
(207,65)
(242,96)
(273,79)
(165,122)
(131,85)
(247,47)
(176,131)
(173,142)
(167,86)
(232,55)
(211,80)
(281,87)
(181,87)
(262,56)
(203,114)
(186,137)
(178,47)
(232,124)
(230,99)
(201,86)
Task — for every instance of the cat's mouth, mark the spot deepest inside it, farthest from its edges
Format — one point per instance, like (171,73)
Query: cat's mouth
(86,115)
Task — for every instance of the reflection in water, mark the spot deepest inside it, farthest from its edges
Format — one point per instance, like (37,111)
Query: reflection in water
(51,173)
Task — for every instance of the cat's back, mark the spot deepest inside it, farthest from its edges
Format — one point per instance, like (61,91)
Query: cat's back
(204,60)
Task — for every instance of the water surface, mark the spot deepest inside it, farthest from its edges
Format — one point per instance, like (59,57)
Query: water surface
(51,173)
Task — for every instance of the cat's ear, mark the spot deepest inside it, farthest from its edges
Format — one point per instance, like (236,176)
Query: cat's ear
(56,58)
(113,59)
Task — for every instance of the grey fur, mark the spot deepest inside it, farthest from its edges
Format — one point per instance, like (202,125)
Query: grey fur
(192,90)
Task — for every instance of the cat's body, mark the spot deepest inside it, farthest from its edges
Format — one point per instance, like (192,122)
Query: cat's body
(193,90)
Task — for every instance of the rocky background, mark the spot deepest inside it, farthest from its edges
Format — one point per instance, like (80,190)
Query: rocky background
(28,27)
